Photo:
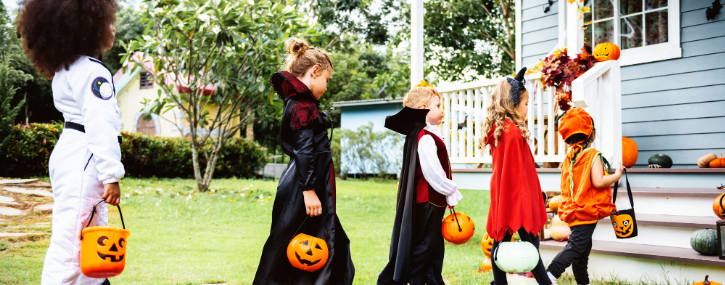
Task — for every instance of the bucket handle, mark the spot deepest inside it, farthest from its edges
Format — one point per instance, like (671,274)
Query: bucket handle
(93,213)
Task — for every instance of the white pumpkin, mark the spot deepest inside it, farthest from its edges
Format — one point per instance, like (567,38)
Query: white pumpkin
(516,257)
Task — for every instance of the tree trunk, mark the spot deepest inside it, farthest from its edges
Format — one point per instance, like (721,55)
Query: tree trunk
(195,161)
(250,126)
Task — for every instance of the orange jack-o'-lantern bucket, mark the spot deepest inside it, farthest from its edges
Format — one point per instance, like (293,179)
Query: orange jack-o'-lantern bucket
(307,252)
(103,248)
(458,228)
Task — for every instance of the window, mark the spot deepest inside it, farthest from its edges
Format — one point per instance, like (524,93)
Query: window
(645,30)
(147,81)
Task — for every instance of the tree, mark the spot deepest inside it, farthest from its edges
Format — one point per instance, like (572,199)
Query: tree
(470,38)
(220,54)
(128,27)
(7,92)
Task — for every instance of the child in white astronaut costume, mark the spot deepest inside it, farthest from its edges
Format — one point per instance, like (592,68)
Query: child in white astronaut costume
(85,167)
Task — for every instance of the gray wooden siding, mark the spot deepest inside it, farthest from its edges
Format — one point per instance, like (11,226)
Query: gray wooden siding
(675,106)
(539,30)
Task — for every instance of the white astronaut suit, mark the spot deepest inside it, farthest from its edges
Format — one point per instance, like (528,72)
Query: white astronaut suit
(87,156)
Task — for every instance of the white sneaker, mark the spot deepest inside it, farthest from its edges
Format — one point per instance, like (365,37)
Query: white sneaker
(552,278)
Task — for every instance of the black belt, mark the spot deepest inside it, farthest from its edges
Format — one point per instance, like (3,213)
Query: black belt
(82,129)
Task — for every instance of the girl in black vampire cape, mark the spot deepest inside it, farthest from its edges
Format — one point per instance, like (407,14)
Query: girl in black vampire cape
(305,199)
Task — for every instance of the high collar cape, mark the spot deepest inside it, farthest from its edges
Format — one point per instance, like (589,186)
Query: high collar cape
(287,86)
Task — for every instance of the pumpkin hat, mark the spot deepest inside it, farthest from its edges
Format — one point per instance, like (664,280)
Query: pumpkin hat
(575,121)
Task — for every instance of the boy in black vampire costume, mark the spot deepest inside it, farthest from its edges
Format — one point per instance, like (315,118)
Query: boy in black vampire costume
(305,199)
(425,189)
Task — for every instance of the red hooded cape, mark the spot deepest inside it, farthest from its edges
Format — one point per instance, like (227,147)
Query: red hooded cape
(516,199)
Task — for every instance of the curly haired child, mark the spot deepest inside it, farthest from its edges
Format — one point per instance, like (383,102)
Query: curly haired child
(63,39)
(517,204)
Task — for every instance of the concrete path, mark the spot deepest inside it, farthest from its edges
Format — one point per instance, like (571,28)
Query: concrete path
(5,211)
(16,181)
(7,200)
(28,192)
(19,234)
(44,207)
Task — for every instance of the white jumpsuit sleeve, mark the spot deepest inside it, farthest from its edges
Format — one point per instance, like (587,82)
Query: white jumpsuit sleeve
(434,173)
(94,93)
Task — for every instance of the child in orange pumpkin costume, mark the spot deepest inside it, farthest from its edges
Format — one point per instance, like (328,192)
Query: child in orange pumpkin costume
(587,196)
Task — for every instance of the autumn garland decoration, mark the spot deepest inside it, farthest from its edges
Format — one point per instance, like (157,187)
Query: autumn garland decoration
(559,71)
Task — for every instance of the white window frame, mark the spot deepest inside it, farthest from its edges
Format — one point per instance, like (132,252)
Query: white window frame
(652,53)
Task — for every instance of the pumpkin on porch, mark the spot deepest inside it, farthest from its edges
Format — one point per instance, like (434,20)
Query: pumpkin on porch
(706,282)
(659,161)
(717,207)
(704,242)
(606,51)
(559,229)
(704,161)
(718,162)
(554,202)
(629,152)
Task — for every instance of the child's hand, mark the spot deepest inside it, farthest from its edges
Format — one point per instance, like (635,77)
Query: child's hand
(312,203)
(112,193)
(619,170)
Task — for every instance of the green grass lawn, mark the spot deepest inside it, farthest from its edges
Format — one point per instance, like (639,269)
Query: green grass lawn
(182,238)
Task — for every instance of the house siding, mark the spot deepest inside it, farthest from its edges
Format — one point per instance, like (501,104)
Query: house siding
(675,106)
(540,32)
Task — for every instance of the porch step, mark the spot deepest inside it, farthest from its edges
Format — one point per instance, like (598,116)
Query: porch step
(690,202)
(662,253)
(710,193)
(672,221)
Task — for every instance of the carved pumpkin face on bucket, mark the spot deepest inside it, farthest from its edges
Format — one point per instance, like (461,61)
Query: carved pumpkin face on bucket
(606,51)
(307,252)
(622,225)
(103,251)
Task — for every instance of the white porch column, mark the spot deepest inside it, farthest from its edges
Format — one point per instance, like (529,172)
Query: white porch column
(574,33)
(416,42)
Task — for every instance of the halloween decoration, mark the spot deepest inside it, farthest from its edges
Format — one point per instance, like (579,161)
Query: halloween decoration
(704,161)
(659,161)
(706,282)
(516,257)
(629,152)
(554,203)
(624,222)
(711,12)
(458,228)
(718,205)
(307,252)
(486,245)
(557,222)
(559,229)
(486,264)
(718,162)
(720,227)
(704,242)
(103,248)
(548,6)
(606,51)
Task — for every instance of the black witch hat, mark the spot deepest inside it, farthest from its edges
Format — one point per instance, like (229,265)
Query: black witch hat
(407,120)
(518,84)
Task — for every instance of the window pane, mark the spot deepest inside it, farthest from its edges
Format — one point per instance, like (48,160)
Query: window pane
(588,16)
(656,27)
(603,32)
(654,4)
(631,32)
(603,9)
(588,35)
(630,6)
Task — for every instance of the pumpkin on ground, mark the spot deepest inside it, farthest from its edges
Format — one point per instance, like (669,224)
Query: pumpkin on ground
(554,202)
(718,162)
(629,152)
(606,51)
(458,230)
(704,242)
(486,264)
(717,206)
(706,282)
(486,245)
(307,252)
(659,161)
(704,161)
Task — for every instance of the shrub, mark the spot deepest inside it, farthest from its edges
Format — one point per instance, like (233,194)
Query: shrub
(29,147)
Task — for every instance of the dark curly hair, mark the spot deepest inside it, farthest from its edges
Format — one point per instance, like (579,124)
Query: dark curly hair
(56,33)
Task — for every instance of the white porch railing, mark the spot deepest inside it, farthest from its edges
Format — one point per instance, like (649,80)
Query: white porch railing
(598,91)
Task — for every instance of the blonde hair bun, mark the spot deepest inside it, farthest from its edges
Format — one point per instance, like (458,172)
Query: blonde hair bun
(296,46)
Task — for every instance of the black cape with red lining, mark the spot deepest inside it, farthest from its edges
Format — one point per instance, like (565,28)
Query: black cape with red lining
(304,138)
(416,246)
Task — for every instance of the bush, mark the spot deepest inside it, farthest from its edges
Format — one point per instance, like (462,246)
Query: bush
(29,147)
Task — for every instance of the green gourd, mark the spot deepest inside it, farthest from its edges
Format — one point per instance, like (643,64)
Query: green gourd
(659,161)
(704,242)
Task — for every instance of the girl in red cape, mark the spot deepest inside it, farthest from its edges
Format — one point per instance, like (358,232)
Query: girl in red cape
(517,204)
